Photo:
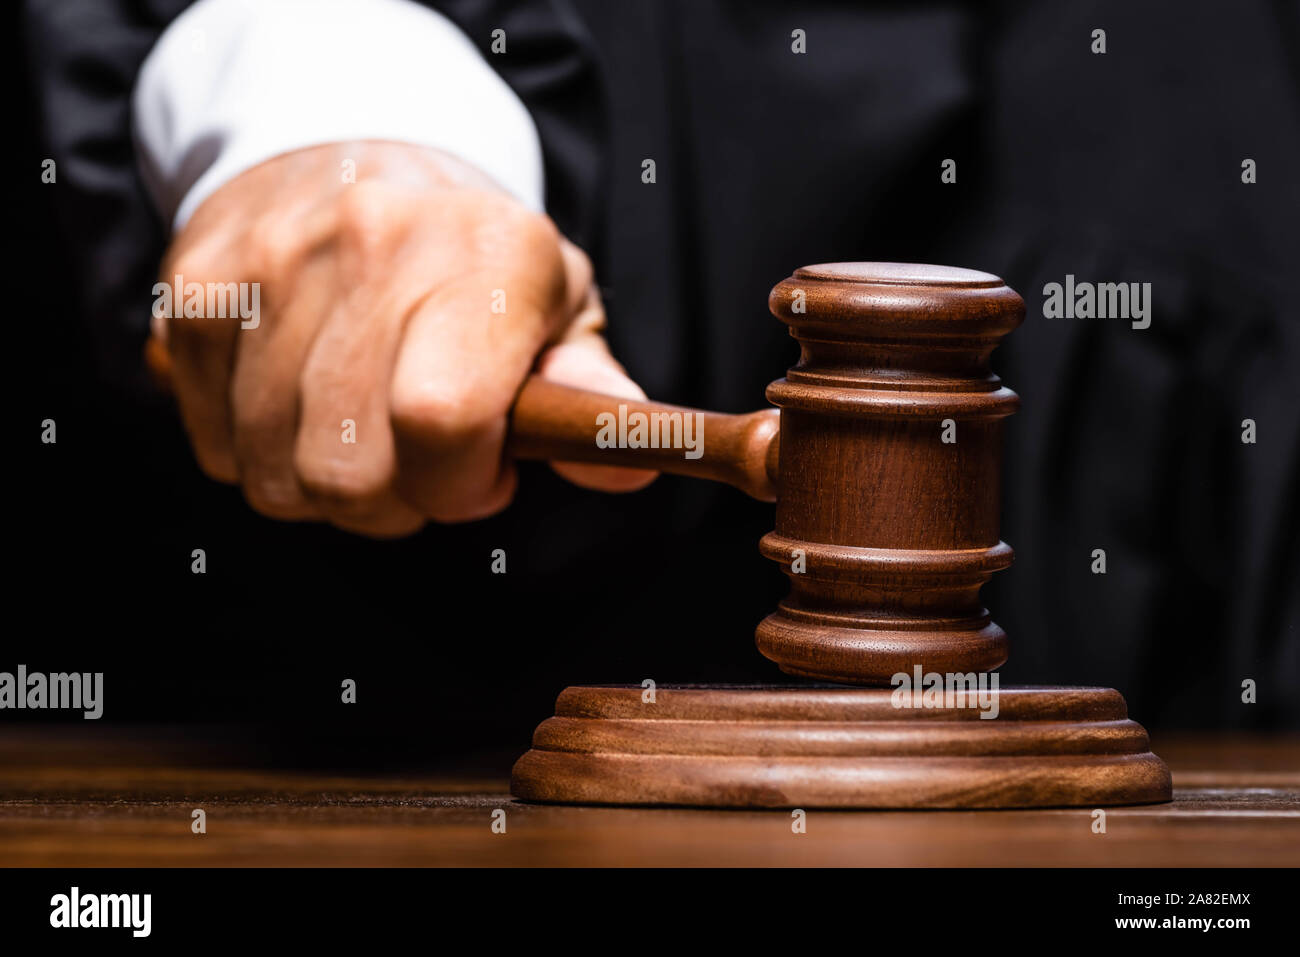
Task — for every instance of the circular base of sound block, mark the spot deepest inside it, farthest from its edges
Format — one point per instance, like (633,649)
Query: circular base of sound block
(835,747)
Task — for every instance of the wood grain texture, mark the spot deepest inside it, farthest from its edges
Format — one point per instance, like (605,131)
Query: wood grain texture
(110,800)
(800,747)
(558,422)
(897,528)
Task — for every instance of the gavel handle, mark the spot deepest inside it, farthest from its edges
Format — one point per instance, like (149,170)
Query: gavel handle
(560,423)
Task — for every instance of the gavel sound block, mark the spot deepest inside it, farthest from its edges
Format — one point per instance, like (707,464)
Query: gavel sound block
(884,461)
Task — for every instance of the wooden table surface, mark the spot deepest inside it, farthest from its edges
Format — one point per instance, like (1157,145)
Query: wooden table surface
(81,799)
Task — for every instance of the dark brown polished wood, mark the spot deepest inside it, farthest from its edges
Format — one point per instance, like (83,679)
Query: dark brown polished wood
(558,422)
(899,529)
(887,533)
(838,748)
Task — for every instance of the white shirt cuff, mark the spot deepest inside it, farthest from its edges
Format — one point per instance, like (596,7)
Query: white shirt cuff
(232,83)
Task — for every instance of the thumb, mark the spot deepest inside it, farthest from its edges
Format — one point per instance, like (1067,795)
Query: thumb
(582,360)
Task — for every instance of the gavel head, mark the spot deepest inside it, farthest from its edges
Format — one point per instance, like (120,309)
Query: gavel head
(890,471)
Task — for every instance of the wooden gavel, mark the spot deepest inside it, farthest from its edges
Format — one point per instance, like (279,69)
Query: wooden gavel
(884,461)
(885,466)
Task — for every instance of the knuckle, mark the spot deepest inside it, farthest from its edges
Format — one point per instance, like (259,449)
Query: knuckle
(199,256)
(580,271)
(538,241)
(341,485)
(371,211)
(273,247)
(432,412)
(187,303)
(502,229)
(537,230)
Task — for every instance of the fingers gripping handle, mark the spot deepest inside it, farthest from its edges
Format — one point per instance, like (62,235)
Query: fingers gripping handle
(564,424)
